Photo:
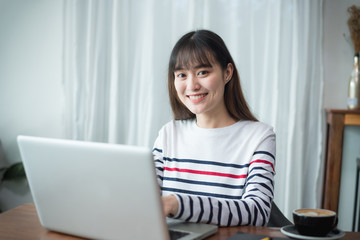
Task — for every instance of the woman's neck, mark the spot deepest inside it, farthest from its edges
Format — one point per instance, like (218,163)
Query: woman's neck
(216,121)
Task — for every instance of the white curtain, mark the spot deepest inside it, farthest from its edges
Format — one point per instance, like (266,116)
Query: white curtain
(115,74)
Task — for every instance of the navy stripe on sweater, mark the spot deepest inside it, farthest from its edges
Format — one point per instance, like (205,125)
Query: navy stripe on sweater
(219,213)
(238,213)
(200,193)
(263,185)
(157,150)
(263,169)
(248,212)
(258,206)
(191,209)
(158,161)
(201,210)
(254,196)
(181,206)
(211,212)
(264,152)
(206,162)
(223,185)
(230,214)
(261,176)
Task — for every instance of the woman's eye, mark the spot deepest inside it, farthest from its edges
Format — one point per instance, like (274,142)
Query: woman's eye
(180,75)
(201,73)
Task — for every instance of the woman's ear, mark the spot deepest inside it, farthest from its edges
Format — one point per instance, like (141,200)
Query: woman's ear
(229,72)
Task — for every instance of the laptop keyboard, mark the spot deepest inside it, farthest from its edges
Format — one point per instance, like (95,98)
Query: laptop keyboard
(177,234)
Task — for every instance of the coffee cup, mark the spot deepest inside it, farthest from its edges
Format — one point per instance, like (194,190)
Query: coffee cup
(314,222)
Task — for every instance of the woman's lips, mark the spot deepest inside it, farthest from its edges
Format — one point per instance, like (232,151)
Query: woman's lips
(197,97)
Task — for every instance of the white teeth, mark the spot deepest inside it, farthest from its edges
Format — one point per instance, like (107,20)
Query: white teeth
(197,96)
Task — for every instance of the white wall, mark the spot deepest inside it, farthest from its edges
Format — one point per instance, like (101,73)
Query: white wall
(30,80)
(338,52)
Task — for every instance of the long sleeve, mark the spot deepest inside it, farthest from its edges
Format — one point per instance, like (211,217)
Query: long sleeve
(159,164)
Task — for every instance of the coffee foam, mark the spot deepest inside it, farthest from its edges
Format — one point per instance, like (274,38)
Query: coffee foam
(314,212)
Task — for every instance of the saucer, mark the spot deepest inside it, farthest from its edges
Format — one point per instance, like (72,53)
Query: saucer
(292,232)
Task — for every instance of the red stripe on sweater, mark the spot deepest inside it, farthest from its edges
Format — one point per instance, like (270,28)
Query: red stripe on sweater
(263,161)
(204,172)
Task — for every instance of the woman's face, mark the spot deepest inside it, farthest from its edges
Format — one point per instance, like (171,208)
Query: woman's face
(201,88)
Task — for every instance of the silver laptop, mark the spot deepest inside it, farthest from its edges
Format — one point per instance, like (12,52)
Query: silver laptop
(99,191)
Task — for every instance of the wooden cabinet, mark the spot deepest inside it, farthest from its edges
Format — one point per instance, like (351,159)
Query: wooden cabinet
(337,119)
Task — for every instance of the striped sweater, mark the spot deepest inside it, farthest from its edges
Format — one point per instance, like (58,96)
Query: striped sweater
(222,176)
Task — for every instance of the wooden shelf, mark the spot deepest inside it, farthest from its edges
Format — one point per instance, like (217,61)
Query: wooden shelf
(337,119)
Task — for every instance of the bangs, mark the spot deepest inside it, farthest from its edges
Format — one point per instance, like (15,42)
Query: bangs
(191,56)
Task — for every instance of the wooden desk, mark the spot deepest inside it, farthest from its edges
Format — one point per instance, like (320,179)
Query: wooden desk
(23,223)
(336,121)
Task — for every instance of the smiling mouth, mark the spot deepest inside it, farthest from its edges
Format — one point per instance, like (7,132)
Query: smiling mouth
(196,97)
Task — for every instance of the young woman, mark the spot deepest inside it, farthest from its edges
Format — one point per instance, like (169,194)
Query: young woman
(214,161)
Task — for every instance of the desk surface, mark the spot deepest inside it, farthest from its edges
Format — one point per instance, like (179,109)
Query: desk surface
(23,223)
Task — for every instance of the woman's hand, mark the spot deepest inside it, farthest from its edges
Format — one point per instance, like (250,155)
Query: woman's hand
(170,205)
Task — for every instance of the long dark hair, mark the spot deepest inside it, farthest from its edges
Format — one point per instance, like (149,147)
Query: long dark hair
(200,47)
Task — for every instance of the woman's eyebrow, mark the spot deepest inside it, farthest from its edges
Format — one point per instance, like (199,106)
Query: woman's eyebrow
(204,65)
(179,68)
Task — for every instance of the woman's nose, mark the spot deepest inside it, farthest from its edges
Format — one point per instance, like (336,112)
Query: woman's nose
(193,83)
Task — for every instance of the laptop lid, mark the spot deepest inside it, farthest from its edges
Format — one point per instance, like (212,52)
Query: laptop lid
(94,190)
(98,190)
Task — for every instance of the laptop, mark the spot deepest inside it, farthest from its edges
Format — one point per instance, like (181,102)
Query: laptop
(99,191)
